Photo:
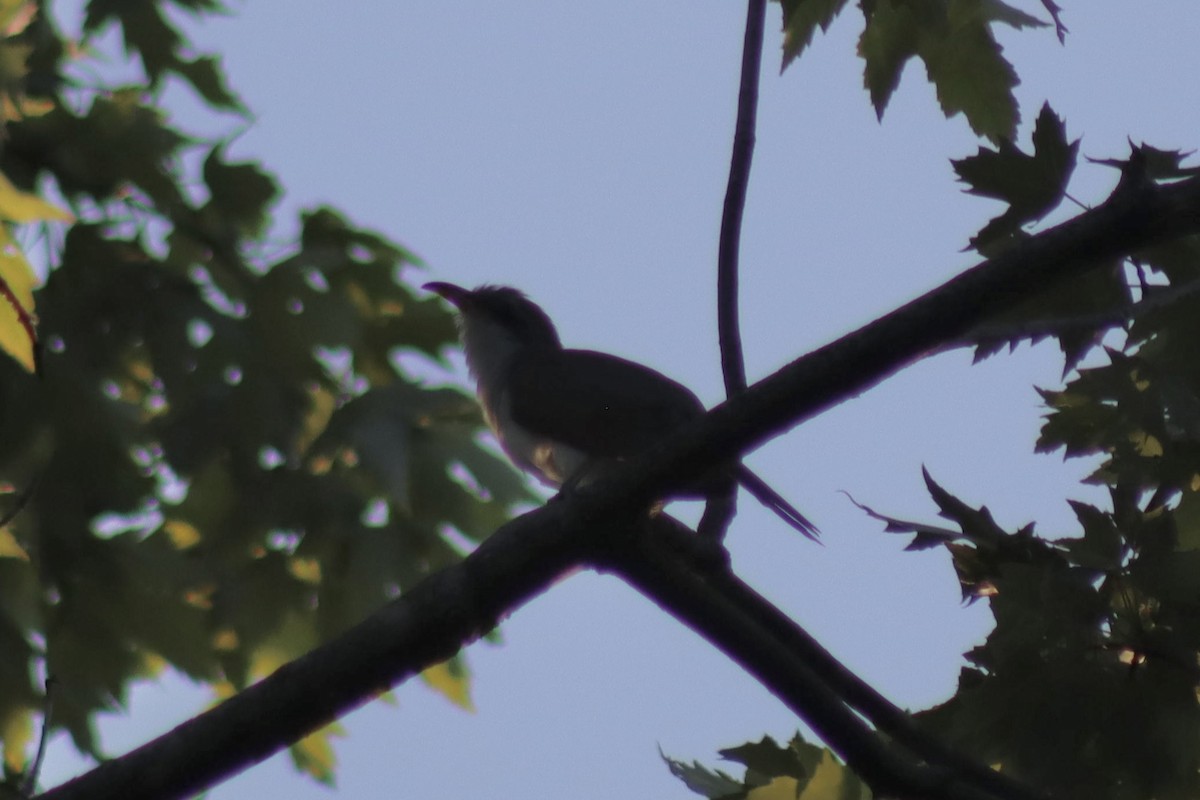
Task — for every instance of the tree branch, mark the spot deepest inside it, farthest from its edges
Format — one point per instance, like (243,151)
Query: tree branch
(721,504)
(733,364)
(711,600)
(430,622)
(423,627)
(1136,216)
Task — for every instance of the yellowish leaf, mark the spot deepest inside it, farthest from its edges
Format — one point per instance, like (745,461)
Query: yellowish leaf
(322,403)
(833,779)
(9,547)
(201,596)
(360,299)
(305,569)
(14,59)
(293,638)
(222,691)
(1147,444)
(182,534)
(153,665)
(19,206)
(16,733)
(782,788)
(314,754)
(450,679)
(225,639)
(26,107)
(141,369)
(15,15)
(17,332)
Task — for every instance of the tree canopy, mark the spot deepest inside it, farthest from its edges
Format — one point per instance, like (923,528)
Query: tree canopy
(216,457)
(219,461)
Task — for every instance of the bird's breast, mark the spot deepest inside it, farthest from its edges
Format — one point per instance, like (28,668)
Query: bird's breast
(550,461)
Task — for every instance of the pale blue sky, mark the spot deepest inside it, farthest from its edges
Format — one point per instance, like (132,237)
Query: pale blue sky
(579,152)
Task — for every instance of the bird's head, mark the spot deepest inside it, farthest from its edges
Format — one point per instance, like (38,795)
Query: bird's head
(499,310)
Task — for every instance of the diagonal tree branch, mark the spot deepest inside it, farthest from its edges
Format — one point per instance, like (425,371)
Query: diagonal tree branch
(1137,215)
(654,569)
(524,557)
(423,627)
(759,637)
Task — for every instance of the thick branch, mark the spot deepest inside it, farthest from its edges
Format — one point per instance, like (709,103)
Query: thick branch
(425,626)
(709,598)
(802,674)
(433,620)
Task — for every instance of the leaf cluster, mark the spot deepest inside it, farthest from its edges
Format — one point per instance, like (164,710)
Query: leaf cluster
(952,38)
(1088,685)
(227,457)
(798,771)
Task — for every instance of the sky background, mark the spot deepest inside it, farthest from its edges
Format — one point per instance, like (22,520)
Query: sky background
(580,153)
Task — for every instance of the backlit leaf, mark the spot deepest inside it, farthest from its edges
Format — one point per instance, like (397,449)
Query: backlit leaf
(18,334)
(16,733)
(19,206)
(314,753)
(450,679)
(1031,184)
(801,18)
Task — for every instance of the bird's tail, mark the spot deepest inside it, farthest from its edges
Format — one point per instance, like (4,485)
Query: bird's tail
(775,501)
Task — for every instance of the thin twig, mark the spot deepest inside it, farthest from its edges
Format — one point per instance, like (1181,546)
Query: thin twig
(29,784)
(732,360)
(721,504)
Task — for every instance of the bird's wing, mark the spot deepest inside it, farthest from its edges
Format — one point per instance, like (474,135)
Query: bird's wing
(598,403)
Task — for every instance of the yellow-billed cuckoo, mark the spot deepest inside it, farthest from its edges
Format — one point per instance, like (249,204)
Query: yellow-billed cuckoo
(555,411)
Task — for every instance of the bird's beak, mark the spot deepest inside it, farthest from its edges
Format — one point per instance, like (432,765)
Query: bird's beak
(455,295)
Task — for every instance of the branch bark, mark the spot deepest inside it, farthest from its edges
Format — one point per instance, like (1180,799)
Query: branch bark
(735,619)
(421,628)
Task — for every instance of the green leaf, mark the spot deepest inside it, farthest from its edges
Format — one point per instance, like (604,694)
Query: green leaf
(185,517)
(1155,164)
(801,18)
(1101,546)
(973,78)
(961,55)
(768,759)
(208,79)
(927,535)
(240,193)
(144,28)
(888,41)
(704,781)
(800,770)
(1031,184)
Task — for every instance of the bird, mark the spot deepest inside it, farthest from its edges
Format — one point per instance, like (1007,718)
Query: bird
(561,414)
